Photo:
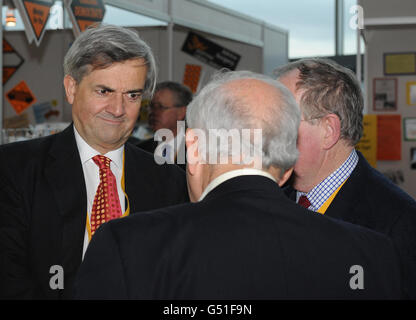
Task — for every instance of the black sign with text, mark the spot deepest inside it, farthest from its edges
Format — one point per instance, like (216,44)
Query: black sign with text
(210,52)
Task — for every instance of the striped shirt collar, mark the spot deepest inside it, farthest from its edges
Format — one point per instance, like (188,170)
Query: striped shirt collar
(320,193)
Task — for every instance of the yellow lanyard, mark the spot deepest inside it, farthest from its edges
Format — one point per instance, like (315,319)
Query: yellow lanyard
(325,206)
(125,214)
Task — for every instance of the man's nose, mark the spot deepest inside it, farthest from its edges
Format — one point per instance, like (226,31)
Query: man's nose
(116,105)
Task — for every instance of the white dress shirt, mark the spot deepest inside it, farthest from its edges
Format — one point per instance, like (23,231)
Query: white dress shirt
(232,174)
(92,175)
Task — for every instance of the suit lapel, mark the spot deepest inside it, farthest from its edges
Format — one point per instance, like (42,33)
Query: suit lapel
(349,204)
(134,180)
(65,176)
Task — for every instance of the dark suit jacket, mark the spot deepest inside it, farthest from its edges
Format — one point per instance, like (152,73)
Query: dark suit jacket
(368,199)
(43,208)
(150,145)
(245,240)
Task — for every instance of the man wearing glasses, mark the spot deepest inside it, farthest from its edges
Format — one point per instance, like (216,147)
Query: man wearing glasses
(168,106)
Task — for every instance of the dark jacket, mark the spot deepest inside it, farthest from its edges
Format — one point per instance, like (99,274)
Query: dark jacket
(43,208)
(245,240)
(369,199)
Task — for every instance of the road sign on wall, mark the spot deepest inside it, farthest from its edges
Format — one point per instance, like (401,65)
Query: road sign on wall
(12,60)
(35,14)
(84,13)
(20,97)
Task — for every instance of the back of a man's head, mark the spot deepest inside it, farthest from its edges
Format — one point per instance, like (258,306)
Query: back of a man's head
(237,102)
(328,87)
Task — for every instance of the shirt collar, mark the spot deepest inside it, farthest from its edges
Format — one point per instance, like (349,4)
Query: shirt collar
(320,193)
(87,152)
(232,174)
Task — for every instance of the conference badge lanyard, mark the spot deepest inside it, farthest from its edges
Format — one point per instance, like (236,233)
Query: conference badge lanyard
(327,203)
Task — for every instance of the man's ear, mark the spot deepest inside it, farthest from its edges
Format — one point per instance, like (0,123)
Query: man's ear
(285,177)
(70,88)
(192,152)
(180,113)
(332,130)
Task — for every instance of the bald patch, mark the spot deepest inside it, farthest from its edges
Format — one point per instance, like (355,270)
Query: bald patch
(254,93)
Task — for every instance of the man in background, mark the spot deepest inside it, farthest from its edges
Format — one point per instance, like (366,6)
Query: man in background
(167,107)
(330,176)
(55,192)
(241,238)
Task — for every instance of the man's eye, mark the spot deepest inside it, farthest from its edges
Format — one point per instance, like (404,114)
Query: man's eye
(102,92)
(133,95)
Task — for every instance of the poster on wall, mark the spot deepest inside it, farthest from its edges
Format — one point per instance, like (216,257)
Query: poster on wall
(12,61)
(44,111)
(385,94)
(35,14)
(84,13)
(409,129)
(368,142)
(209,52)
(389,142)
(192,77)
(401,63)
(411,93)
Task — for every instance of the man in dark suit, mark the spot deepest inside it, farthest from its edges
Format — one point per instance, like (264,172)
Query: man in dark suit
(330,176)
(56,191)
(241,238)
(168,106)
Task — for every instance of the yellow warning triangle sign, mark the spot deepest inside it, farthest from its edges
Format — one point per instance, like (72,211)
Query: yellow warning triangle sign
(38,16)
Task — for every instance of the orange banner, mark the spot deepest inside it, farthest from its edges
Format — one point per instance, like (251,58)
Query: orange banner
(389,142)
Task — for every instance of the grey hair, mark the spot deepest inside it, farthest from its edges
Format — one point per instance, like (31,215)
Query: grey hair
(216,107)
(329,88)
(99,47)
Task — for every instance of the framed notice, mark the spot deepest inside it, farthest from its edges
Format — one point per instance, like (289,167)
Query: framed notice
(385,94)
(399,63)
(411,93)
(409,129)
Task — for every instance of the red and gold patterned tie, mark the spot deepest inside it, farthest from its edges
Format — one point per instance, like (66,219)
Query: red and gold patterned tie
(106,204)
